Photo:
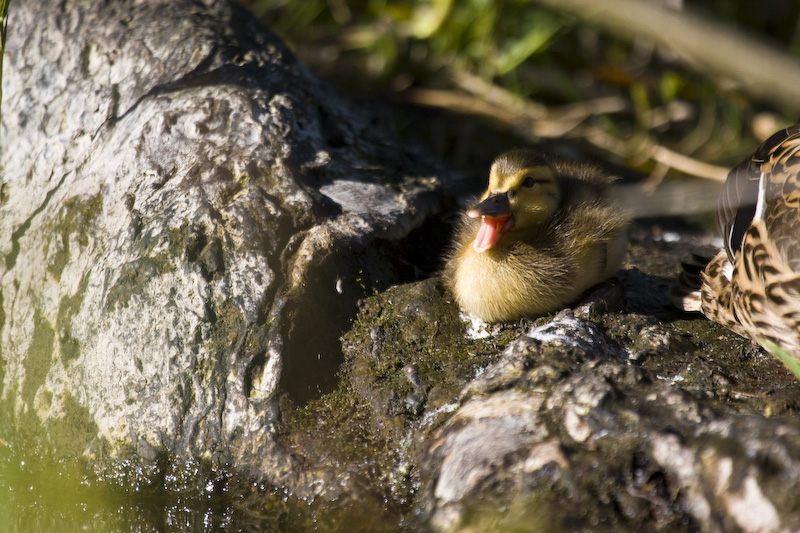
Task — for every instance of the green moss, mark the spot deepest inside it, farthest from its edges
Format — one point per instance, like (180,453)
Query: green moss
(339,429)
(418,325)
(181,242)
(134,275)
(231,184)
(59,258)
(39,358)
(76,217)
(73,432)
(11,257)
(197,246)
(369,424)
(227,326)
(318,310)
(8,427)
(69,346)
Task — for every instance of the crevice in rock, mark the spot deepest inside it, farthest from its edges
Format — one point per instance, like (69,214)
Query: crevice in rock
(313,331)
(11,257)
(312,326)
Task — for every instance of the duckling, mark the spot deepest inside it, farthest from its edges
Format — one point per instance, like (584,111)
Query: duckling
(543,233)
(752,286)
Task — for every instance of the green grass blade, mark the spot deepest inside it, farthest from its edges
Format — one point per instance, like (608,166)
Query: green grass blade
(788,359)
(532,42)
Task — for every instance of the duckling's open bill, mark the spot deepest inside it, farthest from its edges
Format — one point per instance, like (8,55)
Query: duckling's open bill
(492,228)
(497,220)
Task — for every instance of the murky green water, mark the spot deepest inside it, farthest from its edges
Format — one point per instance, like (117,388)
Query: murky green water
(39,493)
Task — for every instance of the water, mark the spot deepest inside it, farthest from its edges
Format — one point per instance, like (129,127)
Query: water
(42,493)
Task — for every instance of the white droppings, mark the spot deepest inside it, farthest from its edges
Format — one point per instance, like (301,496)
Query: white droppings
(477,328)
(430,416)
(671,379)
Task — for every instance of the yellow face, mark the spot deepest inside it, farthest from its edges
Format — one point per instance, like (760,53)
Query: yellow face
(531,187)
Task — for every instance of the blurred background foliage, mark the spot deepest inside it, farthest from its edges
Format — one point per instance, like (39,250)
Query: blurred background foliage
(470,78)
(3,33)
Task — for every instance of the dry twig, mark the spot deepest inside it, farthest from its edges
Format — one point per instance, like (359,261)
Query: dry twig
(533,121)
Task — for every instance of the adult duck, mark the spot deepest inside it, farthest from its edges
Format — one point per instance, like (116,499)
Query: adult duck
(752,286)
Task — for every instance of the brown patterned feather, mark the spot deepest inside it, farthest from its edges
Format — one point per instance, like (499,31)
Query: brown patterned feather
(737,200)
(753,286)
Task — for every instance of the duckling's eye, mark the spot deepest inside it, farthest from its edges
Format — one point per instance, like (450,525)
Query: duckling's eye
(528,182)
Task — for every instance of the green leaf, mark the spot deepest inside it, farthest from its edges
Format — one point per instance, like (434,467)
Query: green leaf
(532,42)
(786,358)
(428,17)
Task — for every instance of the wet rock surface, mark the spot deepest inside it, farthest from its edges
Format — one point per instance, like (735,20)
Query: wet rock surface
(617,414)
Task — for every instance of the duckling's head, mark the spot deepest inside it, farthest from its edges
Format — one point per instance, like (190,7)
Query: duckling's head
(523,194)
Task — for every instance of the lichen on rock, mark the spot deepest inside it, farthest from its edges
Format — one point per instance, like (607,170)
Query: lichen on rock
(174,189)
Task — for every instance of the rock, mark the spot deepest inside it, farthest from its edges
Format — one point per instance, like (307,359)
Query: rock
(577,435)
(188,217)
(618,414)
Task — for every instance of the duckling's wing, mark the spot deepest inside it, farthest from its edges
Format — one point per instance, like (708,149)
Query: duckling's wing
(736,206)
(593,222)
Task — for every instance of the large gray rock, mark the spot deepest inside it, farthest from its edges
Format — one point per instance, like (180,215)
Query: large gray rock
(187,215)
